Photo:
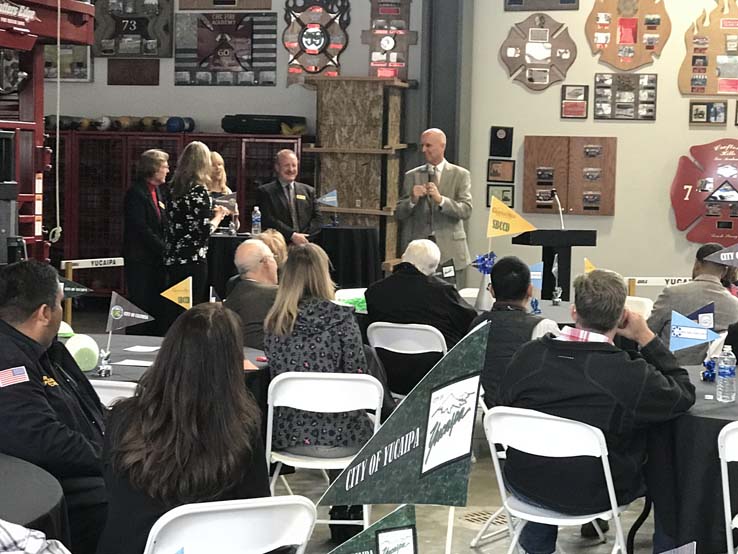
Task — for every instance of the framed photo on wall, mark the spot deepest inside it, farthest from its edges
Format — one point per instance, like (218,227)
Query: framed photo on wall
(708,113)
(503,193)
(75,63)
(501,171)
(574,101)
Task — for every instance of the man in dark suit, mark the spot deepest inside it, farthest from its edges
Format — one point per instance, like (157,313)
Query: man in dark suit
(143,240)
(289,206)
(255,291)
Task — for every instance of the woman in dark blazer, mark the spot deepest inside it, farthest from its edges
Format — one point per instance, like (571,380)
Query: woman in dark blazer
(143,240)
(191,433)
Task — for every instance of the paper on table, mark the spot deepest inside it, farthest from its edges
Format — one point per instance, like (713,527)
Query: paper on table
(143,349)
(248,366)
(134,363)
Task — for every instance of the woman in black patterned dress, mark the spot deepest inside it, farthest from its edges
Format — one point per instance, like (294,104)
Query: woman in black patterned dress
(306,331)
(191,218)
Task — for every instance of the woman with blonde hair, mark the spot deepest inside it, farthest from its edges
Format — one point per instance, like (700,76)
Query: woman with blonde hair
(219,187)
(306,331)
(191,219)
(276,243)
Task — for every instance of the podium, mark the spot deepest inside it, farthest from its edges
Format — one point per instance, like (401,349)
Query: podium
(556,242)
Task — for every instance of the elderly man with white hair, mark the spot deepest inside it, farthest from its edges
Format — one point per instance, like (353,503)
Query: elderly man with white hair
(255,291)
(412,294)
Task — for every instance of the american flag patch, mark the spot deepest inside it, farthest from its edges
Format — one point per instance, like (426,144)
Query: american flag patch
(13,376)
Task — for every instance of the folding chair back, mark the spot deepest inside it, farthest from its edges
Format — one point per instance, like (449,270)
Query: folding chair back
(406,338)
(252,526)
(728,452)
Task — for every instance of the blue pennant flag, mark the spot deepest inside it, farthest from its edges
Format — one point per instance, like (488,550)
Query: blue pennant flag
(705,316)
(329,199)
(686,333)
(536,275)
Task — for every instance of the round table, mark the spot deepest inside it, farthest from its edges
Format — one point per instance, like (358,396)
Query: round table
(33,498)
(354,253)
(683,471)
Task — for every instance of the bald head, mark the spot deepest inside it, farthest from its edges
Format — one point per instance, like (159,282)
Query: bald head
(433,143)
(255,261)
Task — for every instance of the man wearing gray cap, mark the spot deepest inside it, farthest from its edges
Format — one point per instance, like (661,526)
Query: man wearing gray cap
(705,287)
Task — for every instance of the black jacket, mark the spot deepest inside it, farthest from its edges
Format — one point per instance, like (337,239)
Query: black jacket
(132,513)
(143,232)
(252,301)
(275,212)
(55,419)
(511,327)
(409,296)
(619,392)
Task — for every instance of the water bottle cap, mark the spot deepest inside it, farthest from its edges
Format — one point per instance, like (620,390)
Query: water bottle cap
(727,348)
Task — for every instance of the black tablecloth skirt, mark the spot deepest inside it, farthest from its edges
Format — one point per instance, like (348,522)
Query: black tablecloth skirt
(33,498)
(354,253)
(221,249)
(683,472)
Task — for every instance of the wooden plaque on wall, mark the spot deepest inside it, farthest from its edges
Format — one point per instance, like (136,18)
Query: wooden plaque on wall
(628,35)
(592,168)
(546,168)
(711,64)
(581,169)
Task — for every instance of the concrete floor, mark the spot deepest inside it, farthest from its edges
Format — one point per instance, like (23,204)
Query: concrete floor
(483,500)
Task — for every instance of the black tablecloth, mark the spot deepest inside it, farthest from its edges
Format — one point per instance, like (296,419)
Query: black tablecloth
(354,253)
(33,498)
(683,472)
(221,249)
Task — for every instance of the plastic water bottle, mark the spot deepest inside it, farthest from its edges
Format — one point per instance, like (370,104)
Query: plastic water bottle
(256,221)
(726,376)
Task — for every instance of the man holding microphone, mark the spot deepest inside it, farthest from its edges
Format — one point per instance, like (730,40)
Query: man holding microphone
(435,201)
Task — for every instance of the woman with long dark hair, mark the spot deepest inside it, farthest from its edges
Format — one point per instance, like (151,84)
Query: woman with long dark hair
(191,218)
(306,331)
(190,434)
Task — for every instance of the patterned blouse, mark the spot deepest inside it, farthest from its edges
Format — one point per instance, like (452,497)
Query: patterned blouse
(188,227)
(326,339)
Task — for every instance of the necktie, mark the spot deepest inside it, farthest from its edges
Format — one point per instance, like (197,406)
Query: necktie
(290,193)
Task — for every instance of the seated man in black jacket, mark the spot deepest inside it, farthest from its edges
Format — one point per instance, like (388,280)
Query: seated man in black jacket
(49,413)
(581,375)
(511,323)
(412,294)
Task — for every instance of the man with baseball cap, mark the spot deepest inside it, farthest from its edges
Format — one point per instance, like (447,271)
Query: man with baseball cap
(705,287)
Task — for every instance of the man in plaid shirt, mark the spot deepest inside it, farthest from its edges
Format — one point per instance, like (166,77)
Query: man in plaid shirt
(582,375)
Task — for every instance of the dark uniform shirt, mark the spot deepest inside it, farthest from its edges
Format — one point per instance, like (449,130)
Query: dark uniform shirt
(55,419)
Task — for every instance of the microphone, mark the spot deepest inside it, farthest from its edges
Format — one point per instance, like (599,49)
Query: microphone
(561,211)
(431,170)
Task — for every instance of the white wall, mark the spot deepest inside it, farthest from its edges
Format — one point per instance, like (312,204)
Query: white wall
(641,239)
(209,104)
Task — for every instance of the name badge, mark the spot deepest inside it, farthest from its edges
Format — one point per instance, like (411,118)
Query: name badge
(301,197)
(161,205)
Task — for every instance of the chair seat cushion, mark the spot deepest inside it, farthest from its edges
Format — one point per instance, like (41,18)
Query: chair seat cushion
(308,462)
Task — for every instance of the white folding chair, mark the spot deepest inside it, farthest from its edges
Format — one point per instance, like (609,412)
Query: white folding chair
(405,338)
(554,437)
(112,391)
(323,393)
(252,526)
(641,306)
(728,451)
(481,539)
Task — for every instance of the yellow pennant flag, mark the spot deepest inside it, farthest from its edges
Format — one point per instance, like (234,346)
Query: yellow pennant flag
(588,266)
(505,221)
(180,294)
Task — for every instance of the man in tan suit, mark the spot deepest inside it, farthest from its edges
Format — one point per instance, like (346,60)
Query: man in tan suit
(435,201)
